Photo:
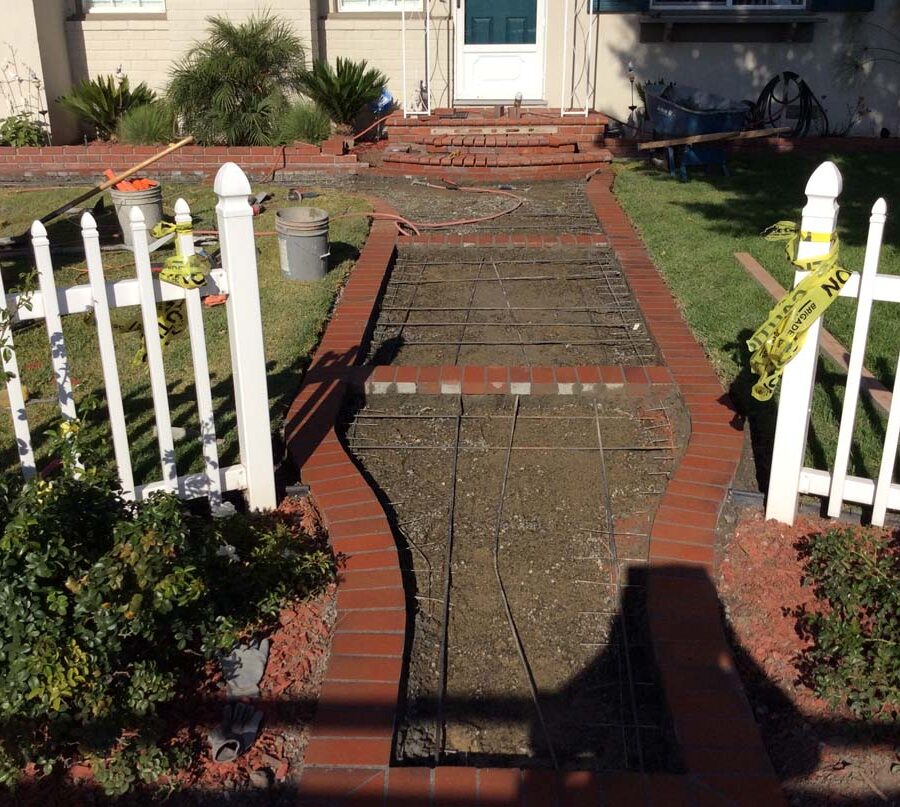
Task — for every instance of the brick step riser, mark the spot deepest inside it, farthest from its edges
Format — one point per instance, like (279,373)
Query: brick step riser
(496,160)
(517,173)
(568,134)
(510,150)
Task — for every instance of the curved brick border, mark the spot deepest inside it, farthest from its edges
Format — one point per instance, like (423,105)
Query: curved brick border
(347,760)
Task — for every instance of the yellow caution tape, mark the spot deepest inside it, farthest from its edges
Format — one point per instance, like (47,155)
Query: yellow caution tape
(781,336)
(166,227)
(187,272)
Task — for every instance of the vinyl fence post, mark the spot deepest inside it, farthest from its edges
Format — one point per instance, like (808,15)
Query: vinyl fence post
(245,336)
(798,381)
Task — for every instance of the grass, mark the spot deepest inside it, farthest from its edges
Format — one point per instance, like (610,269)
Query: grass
(693,230)
(293,316)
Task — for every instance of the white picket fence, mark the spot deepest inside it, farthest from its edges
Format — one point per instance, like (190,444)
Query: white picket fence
(789,477)
(237,278)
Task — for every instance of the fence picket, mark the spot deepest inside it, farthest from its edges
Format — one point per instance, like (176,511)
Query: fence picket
(53,321)
(245,338)
(857,354)
(113,389)
(197,335)
(795,399)
(14,390)
(237,278)
(888,455)
(153,349)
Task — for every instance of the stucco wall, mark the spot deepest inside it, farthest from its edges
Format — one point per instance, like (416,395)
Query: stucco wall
(734,69)
(377,39)
(145,45)
(741,70)
(20,58)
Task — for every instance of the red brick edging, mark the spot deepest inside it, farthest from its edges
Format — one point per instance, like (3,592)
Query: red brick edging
(349,752)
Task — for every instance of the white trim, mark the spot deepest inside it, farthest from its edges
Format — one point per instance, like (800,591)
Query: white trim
(728,5)
(123,6)
(363,6)
(462,92)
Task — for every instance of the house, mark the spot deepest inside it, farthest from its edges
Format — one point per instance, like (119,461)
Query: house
(569,54)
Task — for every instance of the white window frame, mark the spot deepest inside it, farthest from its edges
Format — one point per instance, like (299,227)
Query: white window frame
(727,6)
(123,6)
(364,6)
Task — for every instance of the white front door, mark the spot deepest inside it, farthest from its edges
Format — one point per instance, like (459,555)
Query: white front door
(500,50)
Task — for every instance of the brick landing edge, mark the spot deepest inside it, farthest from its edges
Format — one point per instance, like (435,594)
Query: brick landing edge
(348,757)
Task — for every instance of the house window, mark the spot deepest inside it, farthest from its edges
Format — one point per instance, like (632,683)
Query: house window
(730,5)
(379,5)
(123,6)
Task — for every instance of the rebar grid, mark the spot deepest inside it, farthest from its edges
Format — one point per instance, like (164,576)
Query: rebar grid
(633,730)
(603,294)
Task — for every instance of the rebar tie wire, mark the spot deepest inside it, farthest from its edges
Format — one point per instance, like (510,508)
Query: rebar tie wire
(520,648)
(448,558)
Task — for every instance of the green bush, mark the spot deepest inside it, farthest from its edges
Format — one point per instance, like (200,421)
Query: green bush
(101,102)
(854,655)
(344,90)
(21,130)
(303,121)
(233,87)
(148,125)
(107,607)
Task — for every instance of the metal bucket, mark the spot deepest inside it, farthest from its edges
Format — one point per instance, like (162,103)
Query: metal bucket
(302,242)
(149,201)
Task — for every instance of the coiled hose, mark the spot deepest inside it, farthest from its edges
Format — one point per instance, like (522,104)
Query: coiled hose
(771,108)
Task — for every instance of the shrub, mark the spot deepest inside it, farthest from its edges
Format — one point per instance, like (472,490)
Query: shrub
(104,616)
(303,121)
(101,102)
(854,655)
(344,90)
(233,87)
(21,130)
(147,125)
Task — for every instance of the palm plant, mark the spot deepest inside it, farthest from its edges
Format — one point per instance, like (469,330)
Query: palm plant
(342,91)
(101,102)
(233,87)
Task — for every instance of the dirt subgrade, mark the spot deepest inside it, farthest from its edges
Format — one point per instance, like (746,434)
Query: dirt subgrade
(549,207)
(477,305)
(568,585)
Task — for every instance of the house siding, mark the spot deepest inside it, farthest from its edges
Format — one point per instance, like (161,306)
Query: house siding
(145,47)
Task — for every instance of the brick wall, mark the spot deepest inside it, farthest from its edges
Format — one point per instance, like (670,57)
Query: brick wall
(87,163)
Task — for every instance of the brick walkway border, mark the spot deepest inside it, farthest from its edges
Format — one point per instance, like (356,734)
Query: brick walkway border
(348,757)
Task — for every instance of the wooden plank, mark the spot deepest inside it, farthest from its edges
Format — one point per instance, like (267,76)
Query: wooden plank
(709,138)
(831,347)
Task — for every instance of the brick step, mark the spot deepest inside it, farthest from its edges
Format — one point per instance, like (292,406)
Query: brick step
(570,148)
(497,160)
(497,141)
(484,117)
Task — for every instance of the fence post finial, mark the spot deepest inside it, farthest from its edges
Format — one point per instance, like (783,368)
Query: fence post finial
(797,383)
(245,336)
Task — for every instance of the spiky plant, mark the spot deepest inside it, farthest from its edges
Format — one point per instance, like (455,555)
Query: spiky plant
(147,125)
(232,88)
(343,90)
(303,121)
(101,102)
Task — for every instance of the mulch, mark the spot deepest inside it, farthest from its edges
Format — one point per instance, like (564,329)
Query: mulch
(823,755)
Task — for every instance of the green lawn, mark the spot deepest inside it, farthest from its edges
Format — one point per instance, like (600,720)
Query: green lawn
(293,316)
(693,230)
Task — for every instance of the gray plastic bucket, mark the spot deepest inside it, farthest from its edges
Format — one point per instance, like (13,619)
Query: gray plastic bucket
(149,201)
(302,242)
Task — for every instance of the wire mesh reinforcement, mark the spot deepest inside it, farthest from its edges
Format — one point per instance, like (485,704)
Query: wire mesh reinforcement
(393,445)
(573,308)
